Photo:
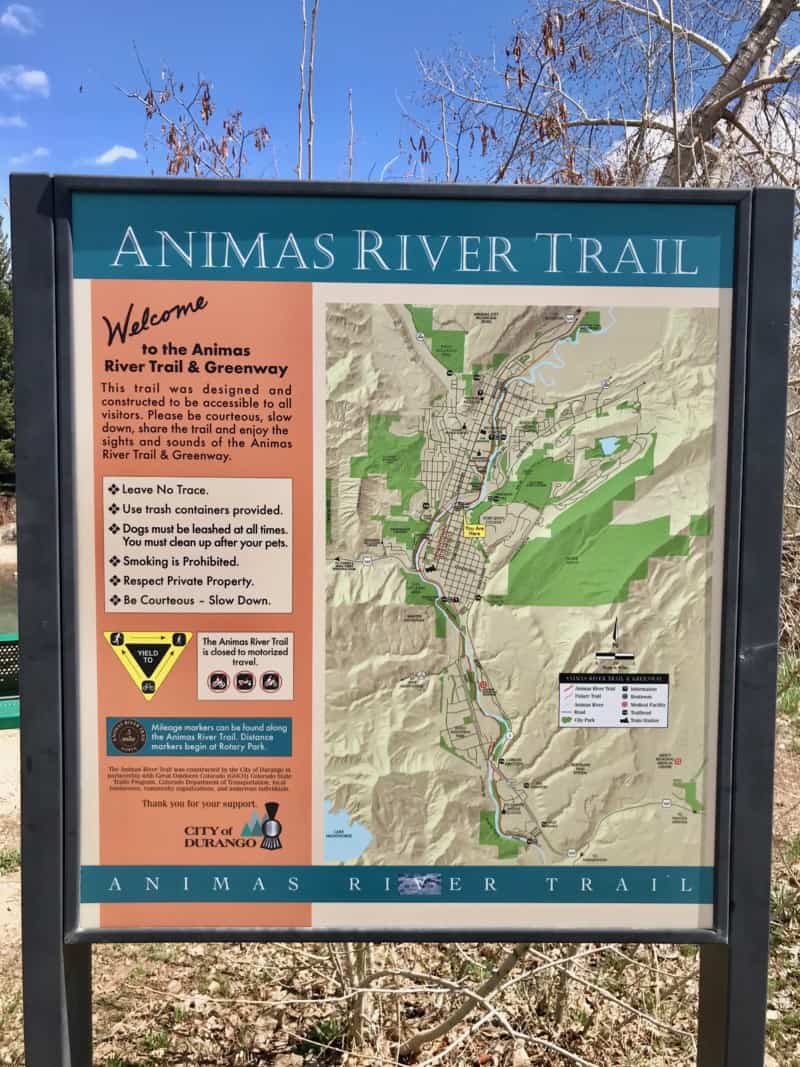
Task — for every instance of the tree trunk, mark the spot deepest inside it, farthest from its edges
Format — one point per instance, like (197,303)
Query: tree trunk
(701,122)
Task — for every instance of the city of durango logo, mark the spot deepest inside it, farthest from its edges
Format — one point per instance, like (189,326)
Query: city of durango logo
(265,826)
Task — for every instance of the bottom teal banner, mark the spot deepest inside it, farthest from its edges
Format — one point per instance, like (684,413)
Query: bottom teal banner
(253,882)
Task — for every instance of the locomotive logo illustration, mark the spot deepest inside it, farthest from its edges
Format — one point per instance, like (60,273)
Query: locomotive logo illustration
(271,828)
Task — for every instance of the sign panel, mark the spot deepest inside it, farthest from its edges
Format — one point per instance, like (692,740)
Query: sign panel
(400,542)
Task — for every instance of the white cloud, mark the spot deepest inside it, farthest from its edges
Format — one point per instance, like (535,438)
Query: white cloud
(20,81)
(20,18)
(29,157)
(15,121)
(114,154)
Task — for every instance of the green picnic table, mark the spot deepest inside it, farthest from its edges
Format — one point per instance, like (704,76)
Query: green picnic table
(9,681)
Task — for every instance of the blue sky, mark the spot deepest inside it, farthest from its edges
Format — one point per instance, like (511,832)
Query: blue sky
(60,64)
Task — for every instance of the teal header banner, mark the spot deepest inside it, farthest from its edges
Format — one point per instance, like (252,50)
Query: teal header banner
(313,238)
(541,885)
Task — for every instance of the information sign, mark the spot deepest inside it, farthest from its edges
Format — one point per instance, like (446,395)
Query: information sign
(415,555)
(444,507)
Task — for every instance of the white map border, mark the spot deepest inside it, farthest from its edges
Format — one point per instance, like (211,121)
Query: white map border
(509,916)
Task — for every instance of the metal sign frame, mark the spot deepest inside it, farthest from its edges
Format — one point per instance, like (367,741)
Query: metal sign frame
(57,955)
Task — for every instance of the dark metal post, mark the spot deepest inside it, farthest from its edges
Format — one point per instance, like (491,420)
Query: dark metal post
(56,977)
(733,977)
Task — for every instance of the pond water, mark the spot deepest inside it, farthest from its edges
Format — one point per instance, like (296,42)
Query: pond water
(608,445)
(345,839)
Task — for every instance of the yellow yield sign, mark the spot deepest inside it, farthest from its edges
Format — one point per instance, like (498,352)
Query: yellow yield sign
(149,656)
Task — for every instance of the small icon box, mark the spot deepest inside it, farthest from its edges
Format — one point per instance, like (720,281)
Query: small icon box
(271,681)
(245,682)
(218,681)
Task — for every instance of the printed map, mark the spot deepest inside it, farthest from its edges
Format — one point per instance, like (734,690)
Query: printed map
(515,493)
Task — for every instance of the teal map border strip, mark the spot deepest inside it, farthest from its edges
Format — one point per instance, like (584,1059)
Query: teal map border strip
(409,884)
(325,241)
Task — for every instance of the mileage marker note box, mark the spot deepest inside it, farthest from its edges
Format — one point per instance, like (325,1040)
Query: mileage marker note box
(613,700)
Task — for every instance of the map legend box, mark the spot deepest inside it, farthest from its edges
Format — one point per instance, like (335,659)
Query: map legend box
(613,700)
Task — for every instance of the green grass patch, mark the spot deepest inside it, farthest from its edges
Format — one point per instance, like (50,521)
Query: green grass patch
(586,565)
(789,685)
(154,1040)
(587,560)
(420,594)
(476,514)
(10,860)
(472,688)
(701,525)
(590,323)
(405,531)
(791,852)
(422,319)
(321,1035)
(397,458)
(535,477)
(417,591)
(506,850)
(620,487)
(408,531)
(448,347)
(689,790)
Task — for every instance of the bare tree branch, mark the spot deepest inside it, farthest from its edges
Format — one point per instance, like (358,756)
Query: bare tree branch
(701,121)
(187,127)
(673,78)
(416,1041)
(445,146)
(657,15)
(767,156)
(792,56)
(350,135)
(312,48)
(301,92)
(753,87)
